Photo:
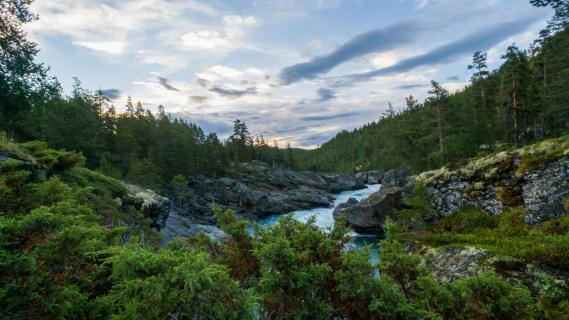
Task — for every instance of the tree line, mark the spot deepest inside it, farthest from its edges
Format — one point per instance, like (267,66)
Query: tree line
(526,99)
(136,145)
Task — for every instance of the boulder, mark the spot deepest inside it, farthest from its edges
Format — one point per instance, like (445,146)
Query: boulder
(152,205)
(370,177)
(369,215)
(343,182)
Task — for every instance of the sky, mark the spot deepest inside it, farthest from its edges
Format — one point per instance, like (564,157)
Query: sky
(297,71)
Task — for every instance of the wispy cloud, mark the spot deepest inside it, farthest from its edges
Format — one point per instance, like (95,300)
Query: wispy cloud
(411,86)
(166,84)
(329,117)
(325,94)
(368,42)
(480,40)
(233,93)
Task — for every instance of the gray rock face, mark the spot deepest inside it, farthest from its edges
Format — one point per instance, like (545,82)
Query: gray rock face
(545,191)
(370,177)
(154,206)
(369,215)
(182,226)
(450,264)
(261,190)
(496,183)
(390,178)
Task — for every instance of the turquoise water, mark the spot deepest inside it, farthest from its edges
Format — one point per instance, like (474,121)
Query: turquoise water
(325,219)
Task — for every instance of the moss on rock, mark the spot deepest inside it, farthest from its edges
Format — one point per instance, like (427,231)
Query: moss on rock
(543,152)
(510,195)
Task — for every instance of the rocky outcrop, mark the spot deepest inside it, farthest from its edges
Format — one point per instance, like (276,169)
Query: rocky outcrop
(370,177)
(258,190)
(152,205)
(390,178)
(535,178)
(183,226)
(452,263)
(369,215)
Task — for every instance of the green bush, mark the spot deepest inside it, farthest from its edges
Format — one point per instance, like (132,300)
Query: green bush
(490,297)
(417,209)
(467,220)
(181,283)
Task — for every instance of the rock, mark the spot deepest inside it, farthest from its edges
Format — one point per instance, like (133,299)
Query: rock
(370,177)
(181,226)
(449,264)
(152,205)
(390,178)
(395,178)
(505,180)
(369,215)
(343,182)
(546,190)
(258,190)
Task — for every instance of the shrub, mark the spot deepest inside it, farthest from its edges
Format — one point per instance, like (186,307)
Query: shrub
(182,283)
(403,268)
(467,220)
(490,297)
(238,251)
(52,160)
(417,209)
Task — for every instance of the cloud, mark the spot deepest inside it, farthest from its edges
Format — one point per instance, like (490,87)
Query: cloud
(107,27)
(198,99)
(421,3)
(166,84)
(365,43)
(479,40)
(329,117)
(234,25)
(315,44)
(219,72)
(233,93)
(204,40)
(110,47)
(207,39)
(202,82)
(453,78)
(411,86)
(325,94)
(111,94)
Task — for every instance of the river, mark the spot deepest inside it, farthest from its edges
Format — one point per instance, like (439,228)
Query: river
(325,219)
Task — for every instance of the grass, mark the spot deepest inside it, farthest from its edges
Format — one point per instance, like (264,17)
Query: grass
(505,235)
(545,151)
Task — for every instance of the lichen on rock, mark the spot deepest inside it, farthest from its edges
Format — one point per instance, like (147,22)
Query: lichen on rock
(535,177)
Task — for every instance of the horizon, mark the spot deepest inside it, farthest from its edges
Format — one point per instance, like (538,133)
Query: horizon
(295,71)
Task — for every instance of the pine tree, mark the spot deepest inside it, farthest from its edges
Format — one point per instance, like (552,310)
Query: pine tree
(290,158)
(478,78)
(514,89)
(440,96)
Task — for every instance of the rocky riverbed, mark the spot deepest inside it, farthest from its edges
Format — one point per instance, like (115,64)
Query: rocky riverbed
(258,190)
